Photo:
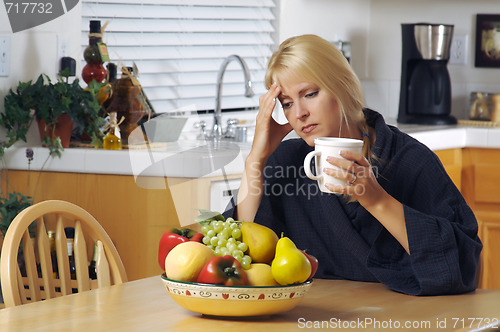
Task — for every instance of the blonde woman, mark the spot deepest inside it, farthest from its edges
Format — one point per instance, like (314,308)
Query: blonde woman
(399,221)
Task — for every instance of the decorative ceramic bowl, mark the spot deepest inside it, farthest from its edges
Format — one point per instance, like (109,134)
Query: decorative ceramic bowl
(219,300)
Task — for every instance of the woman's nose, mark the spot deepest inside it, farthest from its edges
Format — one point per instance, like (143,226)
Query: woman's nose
(301,110)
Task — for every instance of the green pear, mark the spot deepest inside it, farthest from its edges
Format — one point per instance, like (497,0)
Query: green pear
(261,241)
(290,265)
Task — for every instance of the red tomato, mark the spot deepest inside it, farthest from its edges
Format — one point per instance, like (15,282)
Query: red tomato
(173,237)
(223,270)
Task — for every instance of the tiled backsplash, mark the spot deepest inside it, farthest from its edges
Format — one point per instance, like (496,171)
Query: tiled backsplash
(383,97)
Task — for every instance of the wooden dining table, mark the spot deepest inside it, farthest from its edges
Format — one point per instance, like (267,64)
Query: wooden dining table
(145,305)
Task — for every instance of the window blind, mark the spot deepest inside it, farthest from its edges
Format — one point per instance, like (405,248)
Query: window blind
(179,45)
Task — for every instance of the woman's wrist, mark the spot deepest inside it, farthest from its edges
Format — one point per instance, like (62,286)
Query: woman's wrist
(255,161)
(390,213)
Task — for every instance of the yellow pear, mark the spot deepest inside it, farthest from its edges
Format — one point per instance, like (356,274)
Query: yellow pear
(261,241)
(290,265)
(260,274)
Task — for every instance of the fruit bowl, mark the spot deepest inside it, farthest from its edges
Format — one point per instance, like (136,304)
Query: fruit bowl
(220,300)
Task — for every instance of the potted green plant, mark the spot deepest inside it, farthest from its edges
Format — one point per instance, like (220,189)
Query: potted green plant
(12,201)
(50,103)
(10,206)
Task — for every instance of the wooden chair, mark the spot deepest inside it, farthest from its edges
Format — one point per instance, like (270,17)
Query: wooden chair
(44,283)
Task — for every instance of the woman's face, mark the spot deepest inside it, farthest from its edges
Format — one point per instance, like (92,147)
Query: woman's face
(311,111)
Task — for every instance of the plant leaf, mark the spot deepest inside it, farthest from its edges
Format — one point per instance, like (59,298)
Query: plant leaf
(207,216)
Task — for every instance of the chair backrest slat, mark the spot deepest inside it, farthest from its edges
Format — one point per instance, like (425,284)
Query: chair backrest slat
(81,261)
(102,267)
(30,266)
(20,295)
(45,260)
(62,257)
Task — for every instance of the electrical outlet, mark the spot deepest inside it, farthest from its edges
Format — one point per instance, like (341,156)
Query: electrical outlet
(458,50)
(4,56)
(62,47)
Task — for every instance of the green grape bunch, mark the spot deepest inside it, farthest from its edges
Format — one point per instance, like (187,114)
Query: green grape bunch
(224,238)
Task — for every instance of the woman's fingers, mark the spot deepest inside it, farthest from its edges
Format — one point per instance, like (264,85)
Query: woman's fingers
(342,174)
(349,165)
(268,133)
(267,101)
(354,156)
(355,171)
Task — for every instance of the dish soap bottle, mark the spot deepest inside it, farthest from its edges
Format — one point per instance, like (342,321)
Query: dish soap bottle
(113,141)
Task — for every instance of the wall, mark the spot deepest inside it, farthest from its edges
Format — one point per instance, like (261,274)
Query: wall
(384,45)
(374,28)
(34,51)
(331,19)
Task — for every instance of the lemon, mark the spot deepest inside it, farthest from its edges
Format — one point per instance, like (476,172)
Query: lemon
(260,274)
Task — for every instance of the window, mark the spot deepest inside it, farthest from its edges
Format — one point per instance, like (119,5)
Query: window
(179,45)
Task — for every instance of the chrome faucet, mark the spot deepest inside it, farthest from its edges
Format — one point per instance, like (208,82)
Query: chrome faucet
(217,126)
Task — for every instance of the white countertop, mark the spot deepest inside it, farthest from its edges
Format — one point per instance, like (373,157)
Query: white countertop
(195,158)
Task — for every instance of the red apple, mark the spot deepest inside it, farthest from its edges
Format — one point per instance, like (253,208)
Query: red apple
(314,263)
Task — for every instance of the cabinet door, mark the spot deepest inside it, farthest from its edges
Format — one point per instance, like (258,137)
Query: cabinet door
(489,232)
(481,189)
(452,162)
(481,179)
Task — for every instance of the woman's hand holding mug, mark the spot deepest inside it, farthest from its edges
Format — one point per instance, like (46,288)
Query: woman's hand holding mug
(327,175)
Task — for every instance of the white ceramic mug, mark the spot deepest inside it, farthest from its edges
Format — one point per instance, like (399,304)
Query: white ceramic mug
(323,148)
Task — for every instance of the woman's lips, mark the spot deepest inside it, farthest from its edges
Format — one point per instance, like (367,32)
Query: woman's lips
(307,129)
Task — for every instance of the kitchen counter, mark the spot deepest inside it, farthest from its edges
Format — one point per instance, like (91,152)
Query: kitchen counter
(196,158)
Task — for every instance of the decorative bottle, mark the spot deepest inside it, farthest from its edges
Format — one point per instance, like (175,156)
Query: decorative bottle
(53,254)
(128,102)
(113,140)
(70,238)
(93,263)
(94,69)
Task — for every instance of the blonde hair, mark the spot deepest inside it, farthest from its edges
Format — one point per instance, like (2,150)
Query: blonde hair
(319,61)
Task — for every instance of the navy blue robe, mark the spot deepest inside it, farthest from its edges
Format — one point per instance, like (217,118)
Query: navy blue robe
(351,244)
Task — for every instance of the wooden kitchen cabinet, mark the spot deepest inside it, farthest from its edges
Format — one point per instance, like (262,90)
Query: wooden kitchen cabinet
(481,189)
(134,217)
(489,232)
(476,172)
(480,185)
(452,162)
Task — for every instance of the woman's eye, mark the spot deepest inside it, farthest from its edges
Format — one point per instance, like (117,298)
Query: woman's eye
(312,94)
(286,105)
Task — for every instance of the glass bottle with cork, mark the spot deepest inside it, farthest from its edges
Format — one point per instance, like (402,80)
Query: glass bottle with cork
(128,102)
(53,254)
(106,92)
(70,238)
(113,141)
(94,69)
(93,264)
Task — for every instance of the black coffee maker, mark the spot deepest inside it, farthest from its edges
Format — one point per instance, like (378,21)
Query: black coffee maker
(425,95)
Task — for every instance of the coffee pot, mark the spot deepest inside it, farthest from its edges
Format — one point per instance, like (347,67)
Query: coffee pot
(425,95)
